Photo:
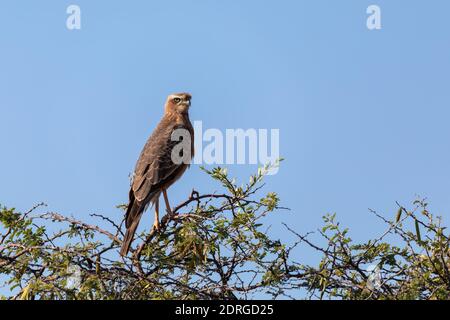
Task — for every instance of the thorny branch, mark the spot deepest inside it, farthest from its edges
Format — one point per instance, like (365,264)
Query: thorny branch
(218,246)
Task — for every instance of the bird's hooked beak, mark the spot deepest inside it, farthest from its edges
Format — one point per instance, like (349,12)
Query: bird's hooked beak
(186,104)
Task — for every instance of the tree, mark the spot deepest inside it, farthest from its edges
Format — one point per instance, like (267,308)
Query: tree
(217,246)
(416,268)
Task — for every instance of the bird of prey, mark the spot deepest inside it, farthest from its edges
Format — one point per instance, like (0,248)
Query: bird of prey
(155,169)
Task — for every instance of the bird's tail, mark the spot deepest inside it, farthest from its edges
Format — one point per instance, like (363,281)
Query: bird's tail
(133,216)
(129,235)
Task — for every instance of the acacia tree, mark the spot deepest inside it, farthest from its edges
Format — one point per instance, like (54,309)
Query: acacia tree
(414,264)
(217,246)
(211,246)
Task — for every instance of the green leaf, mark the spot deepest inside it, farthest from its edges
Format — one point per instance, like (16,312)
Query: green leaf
(419,238)
(26,293)
(399,215)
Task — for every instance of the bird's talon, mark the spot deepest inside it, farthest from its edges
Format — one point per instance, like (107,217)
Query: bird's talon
(156,226)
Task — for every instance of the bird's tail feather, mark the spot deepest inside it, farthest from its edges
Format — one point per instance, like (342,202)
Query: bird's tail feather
(129,235)
(133,216)
(134,212)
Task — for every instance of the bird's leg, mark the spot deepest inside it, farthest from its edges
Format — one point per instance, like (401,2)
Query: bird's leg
(156,223)
(166,199)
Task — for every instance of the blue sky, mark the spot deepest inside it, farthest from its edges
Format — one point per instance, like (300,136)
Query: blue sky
(363,115)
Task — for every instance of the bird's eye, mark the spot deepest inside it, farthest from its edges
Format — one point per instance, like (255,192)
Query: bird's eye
(176,100)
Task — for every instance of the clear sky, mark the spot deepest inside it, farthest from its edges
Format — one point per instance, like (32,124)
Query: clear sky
(363,115)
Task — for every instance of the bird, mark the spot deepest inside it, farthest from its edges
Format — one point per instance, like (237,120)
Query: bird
(156,170)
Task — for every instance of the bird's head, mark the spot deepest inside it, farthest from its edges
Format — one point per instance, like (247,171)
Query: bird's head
(178,103)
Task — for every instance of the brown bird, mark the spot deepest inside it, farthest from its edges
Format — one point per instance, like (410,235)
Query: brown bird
(156,170)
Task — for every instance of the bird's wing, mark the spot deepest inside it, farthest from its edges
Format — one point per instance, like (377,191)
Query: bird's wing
(154,169)
(155,164)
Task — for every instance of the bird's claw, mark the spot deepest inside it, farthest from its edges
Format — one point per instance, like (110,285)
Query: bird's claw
(156,226)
